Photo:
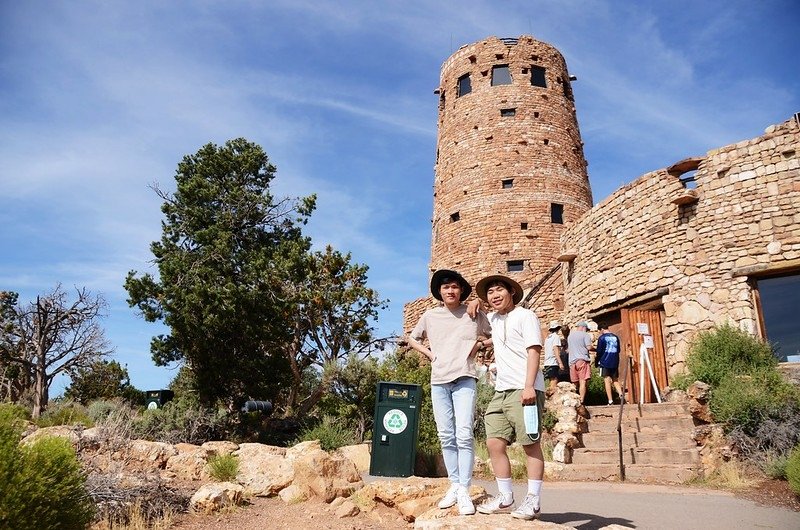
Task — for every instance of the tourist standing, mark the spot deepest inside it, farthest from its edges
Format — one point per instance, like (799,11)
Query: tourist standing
(553,364)
(453,338)
(608,347)
(579,343)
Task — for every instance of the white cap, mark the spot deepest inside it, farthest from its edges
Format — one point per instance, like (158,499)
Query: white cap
(554,324)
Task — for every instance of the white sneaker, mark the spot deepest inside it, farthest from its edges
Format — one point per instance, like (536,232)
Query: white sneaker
(498,504)
(450,498)
(529,509)
(465,506)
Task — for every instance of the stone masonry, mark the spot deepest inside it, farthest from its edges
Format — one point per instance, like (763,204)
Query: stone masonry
(703,246)
(509,151)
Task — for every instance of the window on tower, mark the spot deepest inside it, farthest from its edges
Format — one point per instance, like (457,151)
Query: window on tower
(505,113)
(464,85)
(455,216)
(557,213)
(507,183)
(537,77)
(516,265)
(501,75)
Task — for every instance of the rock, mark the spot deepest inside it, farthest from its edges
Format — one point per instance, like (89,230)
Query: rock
(359,454)
(220,448)
(293,494)
(413,508)
(347,509)
(441,520)
(263,469)
(68,432)
(691,313)
(189,463)
(335,503)
(151,454)
(327,475)
(293,452)
(674,395)
(213,497)
(562,453)
(699,393)
(412,496)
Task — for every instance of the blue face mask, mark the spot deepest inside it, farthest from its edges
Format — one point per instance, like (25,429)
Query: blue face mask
(531,415)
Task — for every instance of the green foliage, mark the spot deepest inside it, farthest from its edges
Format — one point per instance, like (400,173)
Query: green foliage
(182,420)
(227,254)
(681,381)
(793,469)
(595,389)
(331,432)
(484,397)
(14,412)
(102,380)
(726,350)
(352,395)
(41,485)
(223,468)
(549,420)
(65,412)
(747,400)
(776,467)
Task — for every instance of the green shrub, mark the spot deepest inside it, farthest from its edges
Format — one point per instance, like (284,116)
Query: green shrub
(182,421)
(595,389)
(331,432)
(99,410)
(681,381)
(484,397)
(793,470)
(549,420)
(726,350)
(776,467)
(748,400)
(65,412)
(223,468)
(13,411)
(41,485)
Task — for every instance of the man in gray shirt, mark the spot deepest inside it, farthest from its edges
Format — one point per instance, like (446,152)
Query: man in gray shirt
(580,368)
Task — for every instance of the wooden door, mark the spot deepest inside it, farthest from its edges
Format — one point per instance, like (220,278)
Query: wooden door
(632,340)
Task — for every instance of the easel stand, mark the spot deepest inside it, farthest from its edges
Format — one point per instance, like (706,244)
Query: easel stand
(644,360)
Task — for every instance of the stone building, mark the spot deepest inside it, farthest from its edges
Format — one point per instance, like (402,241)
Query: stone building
(709,240)
(510,172)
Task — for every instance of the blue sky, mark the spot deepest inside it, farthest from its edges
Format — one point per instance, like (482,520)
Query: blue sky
(100,99)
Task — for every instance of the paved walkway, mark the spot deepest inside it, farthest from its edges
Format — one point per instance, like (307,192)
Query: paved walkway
(593,505)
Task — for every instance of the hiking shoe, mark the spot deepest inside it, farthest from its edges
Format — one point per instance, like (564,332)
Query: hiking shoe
(497,504)
(450,498)
(529,509)
(465,506)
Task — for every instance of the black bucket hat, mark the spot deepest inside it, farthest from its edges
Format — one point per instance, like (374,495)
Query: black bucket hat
(444,274)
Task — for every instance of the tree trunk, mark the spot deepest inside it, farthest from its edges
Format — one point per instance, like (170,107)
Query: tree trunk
(40,395)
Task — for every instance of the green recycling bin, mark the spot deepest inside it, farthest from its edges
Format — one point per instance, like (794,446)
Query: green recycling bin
(394,436)
(155,399)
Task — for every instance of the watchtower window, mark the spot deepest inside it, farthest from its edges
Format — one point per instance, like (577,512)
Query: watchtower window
(501,75)
(506,113)
(523,226)
(455,216)
(557,213)
(687,180)
(537,77)
(516,265)
(508,184)
(464,85)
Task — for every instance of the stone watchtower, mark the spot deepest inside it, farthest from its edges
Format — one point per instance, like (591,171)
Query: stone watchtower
(510,171)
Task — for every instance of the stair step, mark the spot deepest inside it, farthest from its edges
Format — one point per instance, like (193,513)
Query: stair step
(672,474)
(647,410)
(609,440)
(648,425)
(654,456)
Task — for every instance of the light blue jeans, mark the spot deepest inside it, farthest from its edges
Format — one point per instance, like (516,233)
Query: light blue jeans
(454,412)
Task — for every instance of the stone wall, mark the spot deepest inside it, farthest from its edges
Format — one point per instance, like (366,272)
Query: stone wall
(702,245)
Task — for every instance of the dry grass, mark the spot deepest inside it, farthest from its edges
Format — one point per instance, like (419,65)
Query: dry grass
(516,455)
(731,475)
(134,517)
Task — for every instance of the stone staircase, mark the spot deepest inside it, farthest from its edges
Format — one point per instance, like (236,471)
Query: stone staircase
(657,445)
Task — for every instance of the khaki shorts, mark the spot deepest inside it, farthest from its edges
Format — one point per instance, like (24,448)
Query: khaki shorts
(504,418)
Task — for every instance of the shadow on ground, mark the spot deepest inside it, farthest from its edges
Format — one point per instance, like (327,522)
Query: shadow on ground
(585,521)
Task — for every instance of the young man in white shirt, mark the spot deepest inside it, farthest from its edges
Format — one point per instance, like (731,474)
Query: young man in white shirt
(517,342)
(553,364)
(453,337)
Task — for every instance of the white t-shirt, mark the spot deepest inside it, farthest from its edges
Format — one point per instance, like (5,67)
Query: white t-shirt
(550,344)
(512,335)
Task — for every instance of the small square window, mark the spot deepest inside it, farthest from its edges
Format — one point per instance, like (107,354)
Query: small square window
(505,113)
(501,75)
(523,226)
(464,85)
(557,213)
(508,184)
(516,265)
(455,216)
(537,77)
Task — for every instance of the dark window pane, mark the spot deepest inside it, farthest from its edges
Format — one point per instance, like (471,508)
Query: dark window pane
(456,216)
(537,77)
(508,184)
(501,75)
(780,298)
(508,112)
(515,265)
(464,85)
(557,213)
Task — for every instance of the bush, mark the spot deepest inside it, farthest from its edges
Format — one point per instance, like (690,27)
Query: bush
(726,350)
(41,485)
(793,469)
(223,468)
(595,389)
(331,432)
(549,420)
(182,421)
(100,410)
(776,467)
(65,412)
(748,400)
(14,412)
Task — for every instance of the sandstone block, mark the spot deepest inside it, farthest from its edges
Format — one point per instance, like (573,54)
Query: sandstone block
(215,496)
(263,470)
(327,475)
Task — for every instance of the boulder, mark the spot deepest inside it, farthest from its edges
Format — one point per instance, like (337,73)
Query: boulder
(359,454)
(213,497)
(220,448)
(347,509)
(412,496)
(297,450)
(263,469)
(327,475)
(293,494)
(699,393)
(70,433)
(189,463)
(149,454)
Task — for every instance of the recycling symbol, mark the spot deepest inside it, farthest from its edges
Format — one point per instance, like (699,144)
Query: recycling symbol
(395,421)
